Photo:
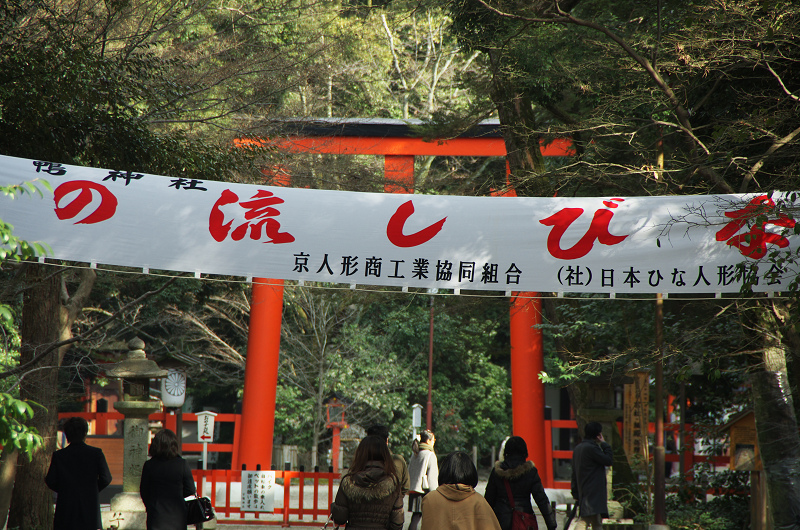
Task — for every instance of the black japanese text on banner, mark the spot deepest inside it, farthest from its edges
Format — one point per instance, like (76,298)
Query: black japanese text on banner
(674,244)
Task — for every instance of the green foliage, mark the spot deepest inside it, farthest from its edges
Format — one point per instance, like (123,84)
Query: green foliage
(471,394)
(15,412)
(9,346)
(688,509)
(13,431)
(13,248)
(291,427)
(599,336)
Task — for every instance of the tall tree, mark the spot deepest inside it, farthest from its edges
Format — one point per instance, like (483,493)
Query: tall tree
(40,330)
(87,83)
(663,98)
(16,436)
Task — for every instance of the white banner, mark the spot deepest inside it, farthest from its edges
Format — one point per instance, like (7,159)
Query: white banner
(674,244)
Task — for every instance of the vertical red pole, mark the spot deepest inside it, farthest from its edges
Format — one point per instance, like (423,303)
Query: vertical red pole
(261,374)
(171,421)
(335,449)
(527,390)
(100,424)
(398,174)
(88,396)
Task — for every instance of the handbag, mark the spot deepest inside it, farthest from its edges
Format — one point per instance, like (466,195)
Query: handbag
(199,510)
(519,519)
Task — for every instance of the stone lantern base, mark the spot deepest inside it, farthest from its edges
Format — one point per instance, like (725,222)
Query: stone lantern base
(127,509)
(127,513)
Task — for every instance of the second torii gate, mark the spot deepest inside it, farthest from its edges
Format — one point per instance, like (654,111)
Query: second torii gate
(395,141)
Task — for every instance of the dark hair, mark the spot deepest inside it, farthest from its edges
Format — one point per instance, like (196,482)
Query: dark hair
(379,430)
(424,437)
(164,445)
(457,468)
(515,446)
(76,429)
(373,448)
(592,430)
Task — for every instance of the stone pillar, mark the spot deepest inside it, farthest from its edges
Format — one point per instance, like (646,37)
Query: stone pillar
(127,509)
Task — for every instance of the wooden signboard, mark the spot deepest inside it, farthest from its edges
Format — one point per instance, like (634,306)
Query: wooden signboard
(636,414)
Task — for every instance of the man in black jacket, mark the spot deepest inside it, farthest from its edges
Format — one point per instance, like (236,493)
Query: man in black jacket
(589,489)
(77,474)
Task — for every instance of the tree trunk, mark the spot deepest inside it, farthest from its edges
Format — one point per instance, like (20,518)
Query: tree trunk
(516,114)
(8,471)
(776,422)
(31,501)
(791,338)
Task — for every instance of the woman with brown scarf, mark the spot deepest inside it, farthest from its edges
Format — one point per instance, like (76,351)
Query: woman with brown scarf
(455,505)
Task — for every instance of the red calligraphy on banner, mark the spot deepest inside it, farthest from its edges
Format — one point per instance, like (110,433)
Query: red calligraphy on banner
(753,243)
(259,213)
(394,230)
(598,231)
(104,211)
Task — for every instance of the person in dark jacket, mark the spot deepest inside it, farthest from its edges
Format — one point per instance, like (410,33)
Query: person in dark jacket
(523,479)
(589,489)
(370,494)
(399,462)
(166,481)
(77,474)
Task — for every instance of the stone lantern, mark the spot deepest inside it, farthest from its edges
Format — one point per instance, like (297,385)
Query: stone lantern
(136,371)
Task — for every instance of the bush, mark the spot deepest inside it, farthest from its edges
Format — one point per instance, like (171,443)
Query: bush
(688,509)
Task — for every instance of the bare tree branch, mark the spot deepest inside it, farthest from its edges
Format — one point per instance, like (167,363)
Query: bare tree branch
(86,334)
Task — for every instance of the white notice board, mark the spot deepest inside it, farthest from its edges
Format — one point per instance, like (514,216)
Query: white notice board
(258,491)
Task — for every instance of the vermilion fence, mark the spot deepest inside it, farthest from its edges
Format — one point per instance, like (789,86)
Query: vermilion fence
(303,498)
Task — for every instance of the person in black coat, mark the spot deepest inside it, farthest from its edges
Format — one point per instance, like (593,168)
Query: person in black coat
(166,481)
(77,474)
(523,479)
(589,487)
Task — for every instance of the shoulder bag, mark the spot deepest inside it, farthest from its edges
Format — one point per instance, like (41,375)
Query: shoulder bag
(199,510)
(519,519)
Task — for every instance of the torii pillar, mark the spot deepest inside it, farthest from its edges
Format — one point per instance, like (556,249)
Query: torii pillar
(257,425)
(527,361)
(261,375)
(527,390)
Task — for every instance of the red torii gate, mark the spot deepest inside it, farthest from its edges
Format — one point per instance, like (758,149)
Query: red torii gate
(394,140)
